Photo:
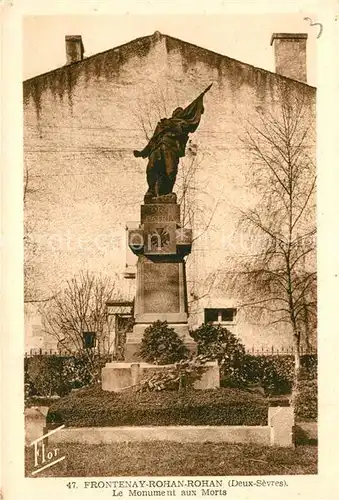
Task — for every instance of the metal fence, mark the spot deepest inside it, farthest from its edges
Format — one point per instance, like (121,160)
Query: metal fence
(283,351)
(47,352)
(255,351)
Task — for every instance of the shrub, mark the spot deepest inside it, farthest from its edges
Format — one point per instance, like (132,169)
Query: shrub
(162,345)
(45,374)
(83,370)
(97,408)
(217,343)
(309,367)
(40,401)
(273,373)
(306,402)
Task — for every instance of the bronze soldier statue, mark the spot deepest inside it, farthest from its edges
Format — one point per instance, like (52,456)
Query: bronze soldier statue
(168,144)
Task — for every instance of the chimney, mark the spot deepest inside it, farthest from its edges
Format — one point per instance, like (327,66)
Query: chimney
(290,55)
(74,49)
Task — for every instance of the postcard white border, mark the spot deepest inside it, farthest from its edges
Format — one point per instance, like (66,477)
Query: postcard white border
(15,485)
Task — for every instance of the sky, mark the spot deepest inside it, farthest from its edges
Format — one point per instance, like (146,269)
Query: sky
(242,37)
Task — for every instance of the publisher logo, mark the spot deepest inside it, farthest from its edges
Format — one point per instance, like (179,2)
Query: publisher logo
(45,456)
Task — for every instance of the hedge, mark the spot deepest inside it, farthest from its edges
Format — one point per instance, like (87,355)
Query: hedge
(44,376)
(40,401)
(54,375)
(96,408)
(58,375)
(306,403)
(274,373)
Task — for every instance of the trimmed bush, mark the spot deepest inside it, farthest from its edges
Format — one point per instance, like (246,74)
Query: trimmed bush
(82,370)
(97,408)
(309,367)
(45,375)
(306,403)
(217,343)
(274,373)
(40,401)
(50,375)
(162,345)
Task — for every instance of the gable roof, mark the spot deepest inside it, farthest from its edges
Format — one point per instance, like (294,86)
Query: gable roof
(137,45)
(141,46)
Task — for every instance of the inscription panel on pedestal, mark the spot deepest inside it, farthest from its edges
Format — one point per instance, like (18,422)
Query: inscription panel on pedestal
(160,292)
(162,213)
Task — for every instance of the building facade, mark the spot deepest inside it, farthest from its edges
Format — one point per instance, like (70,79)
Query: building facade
(84,187)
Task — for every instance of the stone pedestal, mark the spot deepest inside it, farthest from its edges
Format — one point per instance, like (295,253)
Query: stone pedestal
(119,376)
(161,245)
(281,424)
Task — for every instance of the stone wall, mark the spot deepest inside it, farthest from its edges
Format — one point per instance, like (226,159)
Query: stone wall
(83,121)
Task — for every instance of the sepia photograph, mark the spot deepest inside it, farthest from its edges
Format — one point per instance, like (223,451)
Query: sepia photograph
(170,271)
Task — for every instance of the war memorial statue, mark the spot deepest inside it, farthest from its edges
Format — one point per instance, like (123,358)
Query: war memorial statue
(168,145)
(161,245)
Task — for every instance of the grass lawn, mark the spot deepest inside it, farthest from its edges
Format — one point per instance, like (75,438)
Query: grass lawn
(176,459)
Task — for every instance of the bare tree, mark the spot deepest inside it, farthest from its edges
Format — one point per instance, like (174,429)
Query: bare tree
(78,310)
(277,277)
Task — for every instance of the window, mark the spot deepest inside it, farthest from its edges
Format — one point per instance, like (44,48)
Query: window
(89,339)
(228,315)
(220,315)
(124,323)
(36,331)
(211,315)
